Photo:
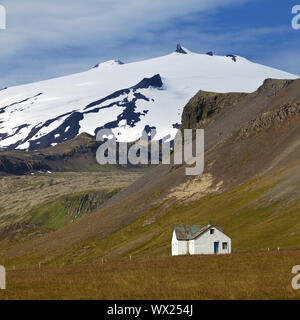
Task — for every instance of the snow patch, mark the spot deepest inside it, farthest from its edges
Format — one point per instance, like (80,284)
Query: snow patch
(47,106)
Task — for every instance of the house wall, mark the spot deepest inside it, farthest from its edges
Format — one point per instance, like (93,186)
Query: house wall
(179,247)
(192,246)
(204,244)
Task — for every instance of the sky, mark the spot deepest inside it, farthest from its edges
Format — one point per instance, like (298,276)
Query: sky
(50,38)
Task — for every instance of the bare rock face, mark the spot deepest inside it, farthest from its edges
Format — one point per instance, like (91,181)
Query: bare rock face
(14,165)
(179,49)
(269,119)
(232,56)
(272,86)
(275,99)
(205,104)
(73,152)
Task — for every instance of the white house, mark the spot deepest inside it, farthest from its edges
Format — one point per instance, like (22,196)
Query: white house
(200,240)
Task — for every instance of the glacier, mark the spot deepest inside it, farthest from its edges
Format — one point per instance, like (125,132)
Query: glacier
(124,97)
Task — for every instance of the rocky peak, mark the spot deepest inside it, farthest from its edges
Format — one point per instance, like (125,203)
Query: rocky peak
(179,49)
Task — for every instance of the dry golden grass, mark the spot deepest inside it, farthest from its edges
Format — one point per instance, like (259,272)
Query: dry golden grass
(237,276)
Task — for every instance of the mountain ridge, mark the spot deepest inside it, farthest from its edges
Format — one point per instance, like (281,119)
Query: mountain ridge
(249,186)
(43,114)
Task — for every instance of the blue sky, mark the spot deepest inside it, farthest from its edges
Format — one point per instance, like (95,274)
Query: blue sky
(46,39)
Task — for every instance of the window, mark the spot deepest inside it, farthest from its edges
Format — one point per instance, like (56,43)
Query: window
(224,246)
(212,231)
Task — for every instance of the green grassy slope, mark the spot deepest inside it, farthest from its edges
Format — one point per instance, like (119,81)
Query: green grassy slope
(39,195)
(59,213)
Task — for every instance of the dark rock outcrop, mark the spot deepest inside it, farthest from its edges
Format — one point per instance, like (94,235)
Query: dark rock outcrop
(154,81)
(179,49)
(269,119)
(204,104)
(232,56)
(14,165)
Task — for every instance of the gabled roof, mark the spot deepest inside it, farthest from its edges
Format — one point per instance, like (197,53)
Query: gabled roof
(189,232)
(192,232)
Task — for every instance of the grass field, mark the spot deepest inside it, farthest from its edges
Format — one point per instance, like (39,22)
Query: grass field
(261,275)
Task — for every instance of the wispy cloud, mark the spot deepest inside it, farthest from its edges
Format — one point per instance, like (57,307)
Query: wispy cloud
(51,38)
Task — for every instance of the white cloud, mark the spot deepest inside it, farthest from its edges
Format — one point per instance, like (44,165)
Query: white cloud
(41,31)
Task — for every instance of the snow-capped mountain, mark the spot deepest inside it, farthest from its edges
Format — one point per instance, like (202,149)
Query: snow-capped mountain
(126,98)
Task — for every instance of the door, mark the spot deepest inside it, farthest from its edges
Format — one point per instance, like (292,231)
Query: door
(216,247)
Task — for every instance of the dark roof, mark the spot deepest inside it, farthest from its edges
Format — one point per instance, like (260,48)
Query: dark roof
(191,232)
